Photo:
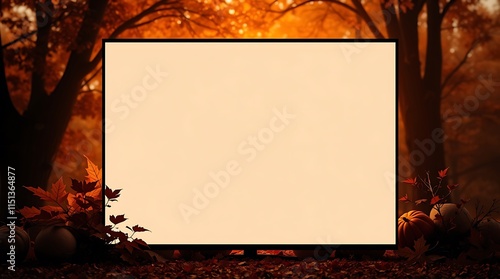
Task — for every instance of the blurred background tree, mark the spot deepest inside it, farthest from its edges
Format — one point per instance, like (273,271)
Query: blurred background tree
(50,75)
(447,82)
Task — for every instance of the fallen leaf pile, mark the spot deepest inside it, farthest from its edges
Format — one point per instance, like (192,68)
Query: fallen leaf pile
(269,267)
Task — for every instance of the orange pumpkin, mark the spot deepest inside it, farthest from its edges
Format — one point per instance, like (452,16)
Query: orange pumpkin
(412,225)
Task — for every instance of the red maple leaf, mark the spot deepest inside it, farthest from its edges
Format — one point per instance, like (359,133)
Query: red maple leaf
(129,245)
(435,200)
(452,187)
(29,212)
(78,219)
(117,219)
(418,251)
(83,186)
(112,194)
(46,215)
(405,199)
(442,173)
(438,217)
(57,193)
(82,204)
(140,242)
(412,181)
(138,228)
(417,202)
(94,174)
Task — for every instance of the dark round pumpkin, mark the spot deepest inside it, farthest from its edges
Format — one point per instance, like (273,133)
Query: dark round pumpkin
(55,244)
(412,225)
(456,220)
(490,230)
(21,244)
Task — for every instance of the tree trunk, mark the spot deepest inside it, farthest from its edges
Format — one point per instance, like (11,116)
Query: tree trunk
(419,95)
(32,140)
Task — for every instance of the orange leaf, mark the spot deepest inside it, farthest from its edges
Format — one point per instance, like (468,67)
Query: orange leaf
(442,173)
(96,194)
(435,200)
(412,181)
(452,187)
(405,198)
(93,172)
(438,217)
(73,204)
(141,242)
(48,215)
(112,194)
(82,186)
(417,252)
(117,219)
(57,193)
(417,202)
(75,207)
(39,192)
(51,208)
(29,212)
(138,228)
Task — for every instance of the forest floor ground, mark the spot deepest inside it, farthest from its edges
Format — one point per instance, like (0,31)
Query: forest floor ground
(283,266)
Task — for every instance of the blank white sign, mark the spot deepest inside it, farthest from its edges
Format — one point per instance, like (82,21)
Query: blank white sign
(257,142)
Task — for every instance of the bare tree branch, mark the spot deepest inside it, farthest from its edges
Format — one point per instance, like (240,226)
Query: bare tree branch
(28,35)
(458,26)
(90,91)
(446,8)
(367,19)
(358,9)
(84,44)
(445,94)
(196,22)
(150,21)
(87,81)
(20,38)
(474,44)
(296,6)
(129,24)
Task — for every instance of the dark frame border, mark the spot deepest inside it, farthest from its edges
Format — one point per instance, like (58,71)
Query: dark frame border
(316,247)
